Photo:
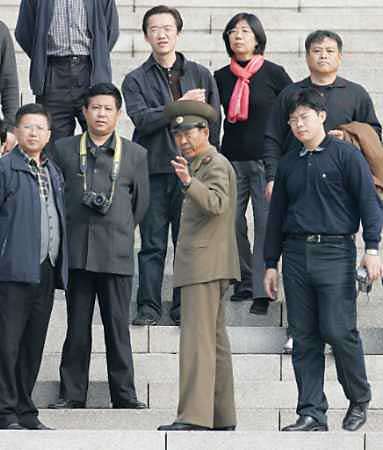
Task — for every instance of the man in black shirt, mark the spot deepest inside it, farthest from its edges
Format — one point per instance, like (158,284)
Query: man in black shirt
(346,102)
(322,191)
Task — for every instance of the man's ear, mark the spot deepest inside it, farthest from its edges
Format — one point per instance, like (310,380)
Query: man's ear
(323,116)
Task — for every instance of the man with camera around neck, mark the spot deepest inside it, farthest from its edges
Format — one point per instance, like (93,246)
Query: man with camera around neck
(107,194)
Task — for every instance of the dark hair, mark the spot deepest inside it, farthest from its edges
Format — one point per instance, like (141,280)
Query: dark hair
(256,27)
(162,9)
(103,89)
(319,35)
(33,108)
(311,98)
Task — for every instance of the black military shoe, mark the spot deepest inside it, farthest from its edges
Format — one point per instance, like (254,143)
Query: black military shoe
(306,423)
(227,428)
(241,296)
(356,416)
(179,426)
(34,424)
(260,306)
(130,404)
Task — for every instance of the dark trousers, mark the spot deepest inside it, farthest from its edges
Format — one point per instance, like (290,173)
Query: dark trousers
(164,211)
(113,293)
(25,310)
(251,185)
(67,79)
(319,280)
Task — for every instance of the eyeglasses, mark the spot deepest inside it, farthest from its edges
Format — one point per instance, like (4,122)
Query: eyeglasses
(166,29)
(304,118)
(237,31)
(30,127)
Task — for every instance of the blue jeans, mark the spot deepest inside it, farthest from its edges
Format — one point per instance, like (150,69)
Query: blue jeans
(319,281)
(164,211)
(251,185)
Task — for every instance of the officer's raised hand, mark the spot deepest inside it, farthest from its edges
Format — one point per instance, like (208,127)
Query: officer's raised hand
(181,168)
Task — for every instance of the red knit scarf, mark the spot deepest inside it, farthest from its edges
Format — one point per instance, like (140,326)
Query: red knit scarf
(239,102)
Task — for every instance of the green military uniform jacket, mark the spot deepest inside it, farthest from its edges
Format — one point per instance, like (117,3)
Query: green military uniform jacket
(207,246)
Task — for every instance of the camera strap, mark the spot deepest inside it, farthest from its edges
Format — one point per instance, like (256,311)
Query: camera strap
(116,161)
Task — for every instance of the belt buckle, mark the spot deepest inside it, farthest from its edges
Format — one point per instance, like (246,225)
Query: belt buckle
(75,59)
(314,238)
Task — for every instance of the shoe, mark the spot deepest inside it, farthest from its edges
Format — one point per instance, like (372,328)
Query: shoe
(356,416)
(130,404)
(179,426)
(241,296)
(288,347)
(13,426)
(176,320)
(144,319)
(66,404)
(260,306)
(306,423)
(34,424)
(227,428)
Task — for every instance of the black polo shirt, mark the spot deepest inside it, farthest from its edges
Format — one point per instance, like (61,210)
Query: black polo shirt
(346,102)
(327,191)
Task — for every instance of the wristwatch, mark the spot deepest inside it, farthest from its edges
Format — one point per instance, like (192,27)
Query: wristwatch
(372,252)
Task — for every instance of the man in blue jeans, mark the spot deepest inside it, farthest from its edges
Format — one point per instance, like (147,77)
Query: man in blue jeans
(322,191)
(164,77)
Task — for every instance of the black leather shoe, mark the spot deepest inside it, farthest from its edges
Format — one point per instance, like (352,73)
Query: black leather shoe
(241,296)
(131,404)
(228,428)
(179,426)
(356,416)
(260,306)
(144,319)
(34,424)
(13,426)
(66,404)
(306,423)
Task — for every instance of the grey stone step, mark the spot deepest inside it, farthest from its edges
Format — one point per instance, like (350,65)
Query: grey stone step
(268,440)
(82,440)
(256,395)
(160,367)
(149,419)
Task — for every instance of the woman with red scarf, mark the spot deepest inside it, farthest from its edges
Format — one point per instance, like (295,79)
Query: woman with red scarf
(247,88)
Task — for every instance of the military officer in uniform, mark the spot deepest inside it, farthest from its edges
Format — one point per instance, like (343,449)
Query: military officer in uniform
(206,261)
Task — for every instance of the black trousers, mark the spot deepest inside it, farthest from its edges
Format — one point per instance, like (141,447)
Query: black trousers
(113,293)
(164,211)
(25,310)
(319,281)
(67,79)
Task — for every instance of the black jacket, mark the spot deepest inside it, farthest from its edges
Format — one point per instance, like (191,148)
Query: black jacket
(243,141)
(32,34)
(9,86)
(146,93)
(20,222)
(103,243)
(346,102)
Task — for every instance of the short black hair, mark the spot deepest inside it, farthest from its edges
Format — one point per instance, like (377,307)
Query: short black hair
(103,89)
(33,108)
(162,9)
(256,26)
(319,35)
(311,98)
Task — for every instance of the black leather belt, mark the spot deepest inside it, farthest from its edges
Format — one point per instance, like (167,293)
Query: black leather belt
(318,238)
(72,59)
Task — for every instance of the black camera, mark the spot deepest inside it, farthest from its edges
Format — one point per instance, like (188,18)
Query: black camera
(97,201)
(364,282)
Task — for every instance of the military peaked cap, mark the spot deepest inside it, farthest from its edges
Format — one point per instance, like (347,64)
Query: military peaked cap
(186,114)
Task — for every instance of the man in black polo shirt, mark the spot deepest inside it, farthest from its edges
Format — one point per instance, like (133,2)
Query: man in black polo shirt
(322,191)
(346,102)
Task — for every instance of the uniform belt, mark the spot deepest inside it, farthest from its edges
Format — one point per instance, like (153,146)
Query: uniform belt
(318,238)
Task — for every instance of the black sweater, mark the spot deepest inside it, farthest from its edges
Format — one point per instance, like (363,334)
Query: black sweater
(243,141)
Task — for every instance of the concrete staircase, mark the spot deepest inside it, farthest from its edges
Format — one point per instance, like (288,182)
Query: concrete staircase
(264,382)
